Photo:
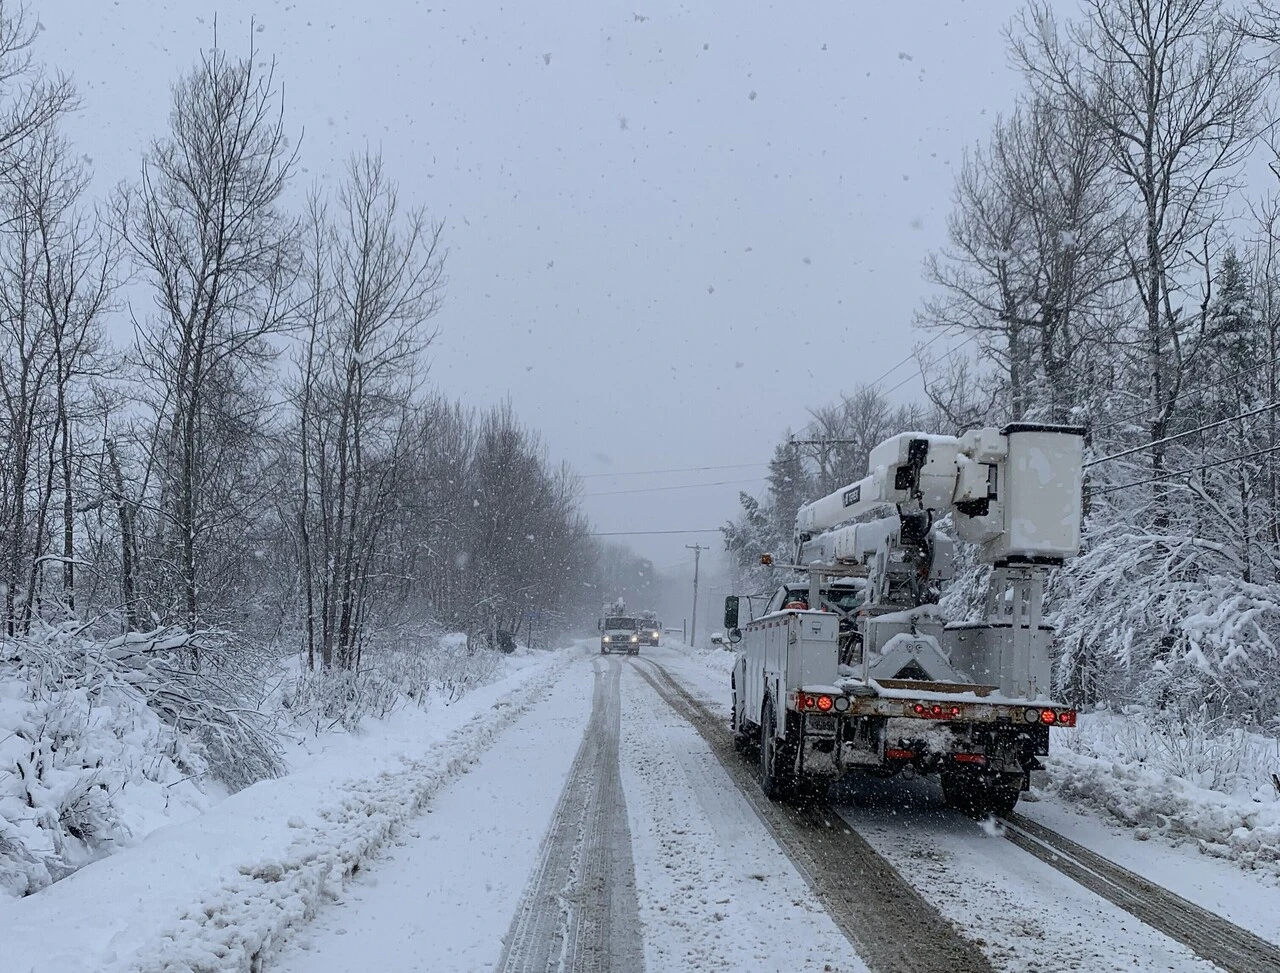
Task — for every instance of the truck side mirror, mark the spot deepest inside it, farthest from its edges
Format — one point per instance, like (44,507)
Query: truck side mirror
(600,625)
(731,612)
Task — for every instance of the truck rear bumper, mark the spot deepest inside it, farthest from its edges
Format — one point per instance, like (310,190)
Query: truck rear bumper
(964,707)
(832,743)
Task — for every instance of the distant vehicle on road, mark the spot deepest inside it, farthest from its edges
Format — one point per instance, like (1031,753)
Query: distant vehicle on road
(619,633)
(650,629)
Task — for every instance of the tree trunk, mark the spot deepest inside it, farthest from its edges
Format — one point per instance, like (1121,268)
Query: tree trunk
(124,514)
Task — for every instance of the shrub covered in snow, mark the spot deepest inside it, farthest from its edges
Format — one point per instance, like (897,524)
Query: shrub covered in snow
(1194,780)
(1167,619)
(102,741)
(408,667)
(96,738)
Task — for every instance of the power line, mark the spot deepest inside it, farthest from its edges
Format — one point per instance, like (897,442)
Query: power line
(1186,389)
(678,486)
(936,337)
(677,469)
(1183,472)
(647,533)
(1182,435)
(942,334)
(674,564)
(910,378)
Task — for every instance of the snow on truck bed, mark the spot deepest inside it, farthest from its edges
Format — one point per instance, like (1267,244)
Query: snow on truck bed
(220,887)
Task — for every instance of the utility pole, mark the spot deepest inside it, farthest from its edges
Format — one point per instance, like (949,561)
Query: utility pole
(697,555)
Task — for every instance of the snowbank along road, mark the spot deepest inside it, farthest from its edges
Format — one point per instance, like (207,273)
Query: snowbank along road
(613,828)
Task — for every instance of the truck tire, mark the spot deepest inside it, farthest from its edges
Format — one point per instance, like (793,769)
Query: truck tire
(776,778)
(744,741)
(977,797)
(1002,800)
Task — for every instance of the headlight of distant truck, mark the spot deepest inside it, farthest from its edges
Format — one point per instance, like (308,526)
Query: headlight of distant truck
(606,638)
(635,638)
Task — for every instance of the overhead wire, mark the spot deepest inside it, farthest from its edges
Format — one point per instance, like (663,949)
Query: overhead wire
(674,469)
(646,533)
(1092,491)
(1182,435)
(936,337)
(909,378)
(1098,491)
(1199,388)
(675,486)
(694,469)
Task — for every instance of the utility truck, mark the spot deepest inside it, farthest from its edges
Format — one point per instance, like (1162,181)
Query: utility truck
(650,628)
(619,633)
(852,665)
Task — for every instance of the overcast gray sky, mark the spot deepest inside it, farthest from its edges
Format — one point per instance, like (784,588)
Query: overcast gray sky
(672,227)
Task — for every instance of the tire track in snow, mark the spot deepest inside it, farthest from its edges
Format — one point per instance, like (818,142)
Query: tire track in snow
(1209,936)
(580,913)
(890,924)
(1206,934)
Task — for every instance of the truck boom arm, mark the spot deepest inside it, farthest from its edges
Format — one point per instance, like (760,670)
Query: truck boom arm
(1014,491)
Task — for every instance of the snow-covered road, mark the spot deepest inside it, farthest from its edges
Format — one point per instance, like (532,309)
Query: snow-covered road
(610,829)
(590,814)
(504,870)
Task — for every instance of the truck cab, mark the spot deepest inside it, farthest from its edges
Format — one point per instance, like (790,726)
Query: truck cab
(619,633)
(650,631)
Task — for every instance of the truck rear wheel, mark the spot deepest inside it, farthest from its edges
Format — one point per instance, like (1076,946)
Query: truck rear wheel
(744,741)
(978,797)
(776,777)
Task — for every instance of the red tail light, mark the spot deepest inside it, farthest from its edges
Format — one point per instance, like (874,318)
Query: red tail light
(936,711)
(893,753)
(806,701)
(969,758)
(1067,718)
(1048,716)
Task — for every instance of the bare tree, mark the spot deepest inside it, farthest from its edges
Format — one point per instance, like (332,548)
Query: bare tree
(1032,263)
(375,280)
(207,228)
(30,101)
(31,357)
(77,258)
(1172,89)
(56,279)
(1263,257)
(844,432)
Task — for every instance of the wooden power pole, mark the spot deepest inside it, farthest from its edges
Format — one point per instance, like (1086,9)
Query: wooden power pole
(697,555)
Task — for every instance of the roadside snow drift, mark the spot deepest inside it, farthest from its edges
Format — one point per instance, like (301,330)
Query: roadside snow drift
(1243,826)
(216,893)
